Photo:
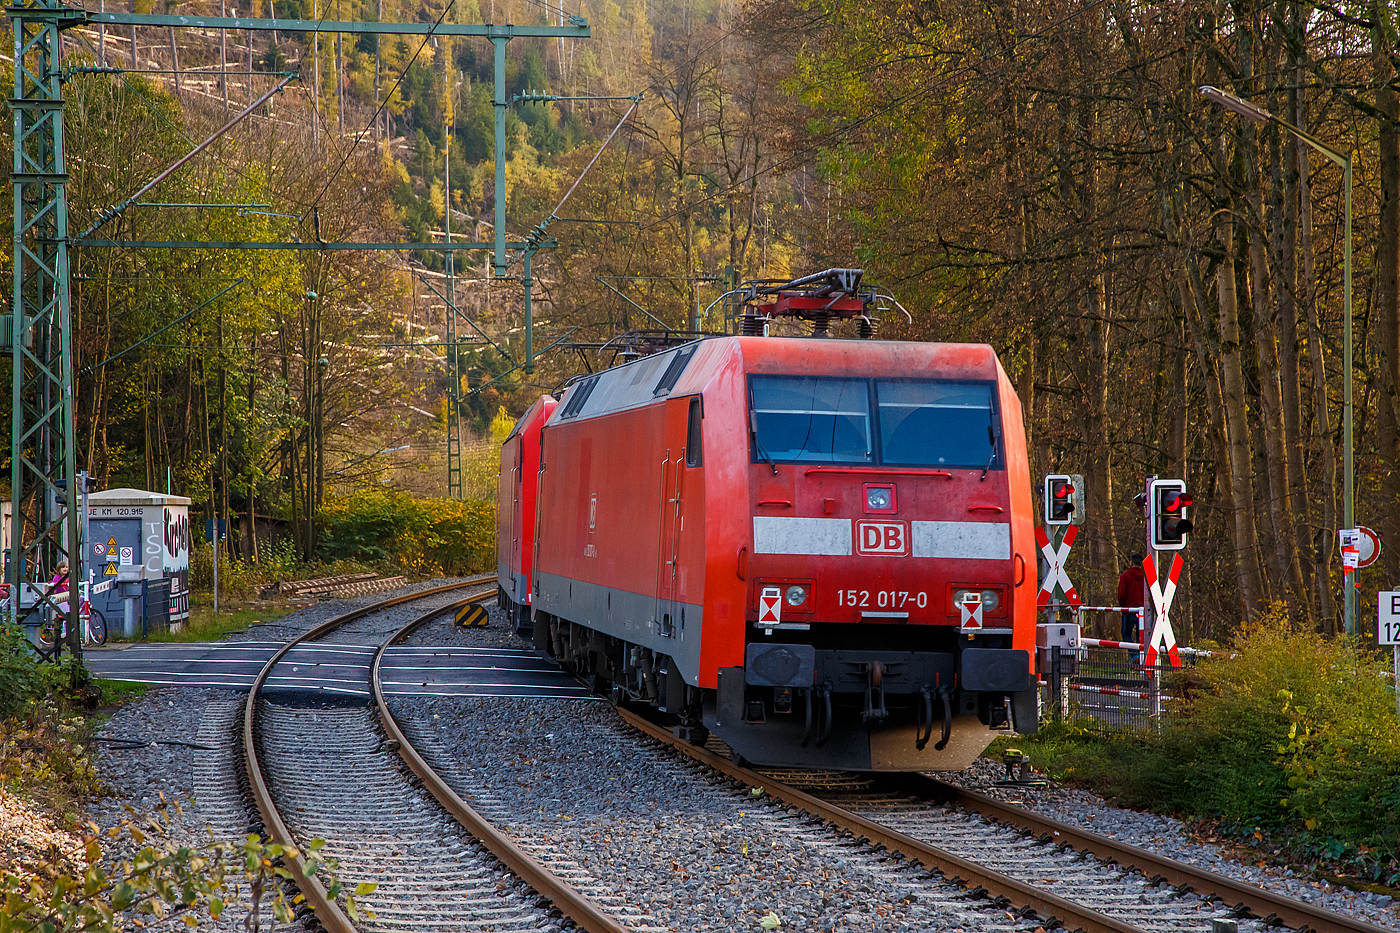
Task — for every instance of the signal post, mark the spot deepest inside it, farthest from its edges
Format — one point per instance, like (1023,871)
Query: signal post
(1165,502)
(1057,639)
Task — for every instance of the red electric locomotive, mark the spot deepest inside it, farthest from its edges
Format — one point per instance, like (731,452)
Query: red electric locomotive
(515,513)
(819,549)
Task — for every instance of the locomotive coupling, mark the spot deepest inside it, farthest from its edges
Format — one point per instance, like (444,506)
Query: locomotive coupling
(874,693)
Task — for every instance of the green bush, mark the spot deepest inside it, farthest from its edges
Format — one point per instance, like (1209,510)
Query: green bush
(419,535)
(1294,733)
(23,679)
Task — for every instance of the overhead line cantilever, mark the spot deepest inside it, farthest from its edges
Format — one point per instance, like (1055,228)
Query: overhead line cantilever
(577,29)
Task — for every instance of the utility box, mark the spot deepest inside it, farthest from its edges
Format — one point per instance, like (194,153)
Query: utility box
(1057,640)
(139,536)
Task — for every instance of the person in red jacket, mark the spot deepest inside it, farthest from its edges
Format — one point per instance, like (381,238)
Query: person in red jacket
(1131,587)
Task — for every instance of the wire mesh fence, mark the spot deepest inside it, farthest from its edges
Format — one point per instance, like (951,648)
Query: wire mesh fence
(1114,689)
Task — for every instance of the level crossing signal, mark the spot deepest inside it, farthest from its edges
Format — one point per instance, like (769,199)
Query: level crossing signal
(1167,502)
(1062,497)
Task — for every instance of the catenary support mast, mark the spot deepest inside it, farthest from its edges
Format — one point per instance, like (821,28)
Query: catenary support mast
(43,475)
(38,330)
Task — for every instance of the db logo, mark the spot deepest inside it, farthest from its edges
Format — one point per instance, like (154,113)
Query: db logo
(884,538)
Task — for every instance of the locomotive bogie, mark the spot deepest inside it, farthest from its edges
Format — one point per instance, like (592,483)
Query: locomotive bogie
(819,549)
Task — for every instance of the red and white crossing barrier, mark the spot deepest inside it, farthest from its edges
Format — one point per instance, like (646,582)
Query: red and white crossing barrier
(1107,643)
(1137,646)
(1113,691)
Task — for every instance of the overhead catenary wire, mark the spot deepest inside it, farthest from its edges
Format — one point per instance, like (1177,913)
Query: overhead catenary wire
(538,232)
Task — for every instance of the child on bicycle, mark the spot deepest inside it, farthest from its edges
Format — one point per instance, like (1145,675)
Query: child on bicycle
(58,589)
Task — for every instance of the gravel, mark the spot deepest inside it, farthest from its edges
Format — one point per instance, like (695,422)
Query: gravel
(567,777)
(188,740)
(1173,838)
(199,784)
(659,840)
(654,837)
(383,623)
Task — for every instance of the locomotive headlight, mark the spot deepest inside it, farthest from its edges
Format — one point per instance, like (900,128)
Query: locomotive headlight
(877,497)
(796,595)
(990,600)
(959,596)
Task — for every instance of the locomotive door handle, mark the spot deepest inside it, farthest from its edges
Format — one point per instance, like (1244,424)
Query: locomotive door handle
(1020,570)
(742,567)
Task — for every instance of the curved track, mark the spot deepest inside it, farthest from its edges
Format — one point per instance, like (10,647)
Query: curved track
(1104,885)
(1274,908)
(574,905)
(329,768)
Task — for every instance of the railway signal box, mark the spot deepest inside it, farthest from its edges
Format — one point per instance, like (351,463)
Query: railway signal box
(1167,502)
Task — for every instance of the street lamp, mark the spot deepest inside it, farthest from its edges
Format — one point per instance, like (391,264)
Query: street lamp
(1260,116)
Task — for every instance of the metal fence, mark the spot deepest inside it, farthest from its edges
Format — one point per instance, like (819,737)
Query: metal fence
(1111,687)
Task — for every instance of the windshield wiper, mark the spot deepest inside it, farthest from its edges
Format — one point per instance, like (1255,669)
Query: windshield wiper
(758,445)
(992,438)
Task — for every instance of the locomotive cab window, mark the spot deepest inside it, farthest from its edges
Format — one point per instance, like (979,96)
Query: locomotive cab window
(899,422)
(926,423)
(804,419)
(693,454)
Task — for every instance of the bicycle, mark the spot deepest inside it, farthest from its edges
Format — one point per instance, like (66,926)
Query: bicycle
(94,623)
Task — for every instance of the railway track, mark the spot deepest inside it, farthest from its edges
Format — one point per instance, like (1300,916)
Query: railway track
(335,775)
(1066,875)
(324,770)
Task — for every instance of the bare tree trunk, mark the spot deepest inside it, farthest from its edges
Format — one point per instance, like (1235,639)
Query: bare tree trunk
(1176,421)
(1387,309)
(1284,210)
(1098,466)
(1284,548)
(1323,538)
(223,58)
(1236,417)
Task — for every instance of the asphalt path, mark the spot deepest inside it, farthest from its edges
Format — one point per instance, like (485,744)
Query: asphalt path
(339,669)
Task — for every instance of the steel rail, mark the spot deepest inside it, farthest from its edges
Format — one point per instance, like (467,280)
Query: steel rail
(327,911)
(582,910)
(1051,907)
(1296,914)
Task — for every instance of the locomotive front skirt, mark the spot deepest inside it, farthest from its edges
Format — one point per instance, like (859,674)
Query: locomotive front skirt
(818,549)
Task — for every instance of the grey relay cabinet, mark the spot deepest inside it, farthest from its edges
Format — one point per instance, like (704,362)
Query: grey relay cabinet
(137,558)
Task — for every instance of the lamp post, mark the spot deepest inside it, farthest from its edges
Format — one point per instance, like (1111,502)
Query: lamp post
(1260,116)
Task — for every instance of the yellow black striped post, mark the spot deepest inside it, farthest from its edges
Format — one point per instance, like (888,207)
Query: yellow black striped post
(473,615)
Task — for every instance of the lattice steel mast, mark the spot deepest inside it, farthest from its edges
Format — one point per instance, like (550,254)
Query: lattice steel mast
(43,475)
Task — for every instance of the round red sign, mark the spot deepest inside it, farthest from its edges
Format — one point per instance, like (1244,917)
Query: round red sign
(1369,546)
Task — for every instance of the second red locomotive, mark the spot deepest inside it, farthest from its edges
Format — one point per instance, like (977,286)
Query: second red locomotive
(818,549)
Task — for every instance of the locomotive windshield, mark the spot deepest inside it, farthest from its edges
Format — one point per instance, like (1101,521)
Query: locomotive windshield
(916,422)
(818,420)
(944,423)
